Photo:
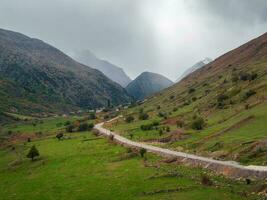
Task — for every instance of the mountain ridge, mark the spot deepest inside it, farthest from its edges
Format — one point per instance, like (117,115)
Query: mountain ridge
(112,71)
(49,79)
(146,84)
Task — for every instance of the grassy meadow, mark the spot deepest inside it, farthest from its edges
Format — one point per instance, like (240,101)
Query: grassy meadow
(85,166)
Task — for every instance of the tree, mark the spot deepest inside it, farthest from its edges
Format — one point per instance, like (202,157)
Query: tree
(198,123)
(129,119)
(70,128)
(59,136)
(142,152)
(92,115)
(33,153)
(143,116)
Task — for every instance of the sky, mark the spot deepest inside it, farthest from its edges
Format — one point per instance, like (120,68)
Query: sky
(162,36)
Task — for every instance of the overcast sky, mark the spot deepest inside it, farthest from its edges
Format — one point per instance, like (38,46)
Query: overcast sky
(163,36)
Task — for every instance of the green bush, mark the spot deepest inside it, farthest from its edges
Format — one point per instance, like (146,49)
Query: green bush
(142,152)
(191,90)
(33,153)
(92,116)
(143,116)
(85,127)
(129,119)
(70,128)
(198,123)
(248,94)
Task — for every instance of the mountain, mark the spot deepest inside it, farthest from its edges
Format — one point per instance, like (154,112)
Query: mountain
(110,70)
(195,67)
(146,84)
(36,77)
(218,111)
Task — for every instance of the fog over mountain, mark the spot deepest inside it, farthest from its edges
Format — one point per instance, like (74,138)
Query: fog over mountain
(112,71)
(194,68)
(162,36)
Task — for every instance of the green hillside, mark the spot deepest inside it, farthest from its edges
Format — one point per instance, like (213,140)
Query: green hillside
(218,111)
(36,77)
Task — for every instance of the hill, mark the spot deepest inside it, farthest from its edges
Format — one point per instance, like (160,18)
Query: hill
(37,77)
(219,111)
(146,84)
(112,71)
(196,66)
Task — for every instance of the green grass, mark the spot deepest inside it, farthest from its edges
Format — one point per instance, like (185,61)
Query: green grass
(85,167)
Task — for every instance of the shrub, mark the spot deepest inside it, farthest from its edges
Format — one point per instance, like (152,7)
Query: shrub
(175,109)
(198,123)
(29,139)
(191,90)
(92,116)
(131,136)
(205,180)
(160,132)
(142,152)
(67,123)
(59,136)
(111,137)
(146,127)
(33,153)
(158,107)
(180,123)
(222,97)
(143,116)
(70,128)
(172,97)
(248,94)
(162,114)
(129,119)
(194,99)
(168,129)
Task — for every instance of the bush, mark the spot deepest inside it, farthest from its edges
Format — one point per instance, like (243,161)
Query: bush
(129,119)
(248,94)
(33,153)
(70,128)
(59,136)
(143,116)
(180,123)
(146,127)
(162,114)
(222,97)
(111,137)
(142,152)
(158,107)
(92,116)
(67,123)
(198,123)
(205,180)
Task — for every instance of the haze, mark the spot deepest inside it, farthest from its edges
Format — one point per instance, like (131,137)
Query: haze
(163,36)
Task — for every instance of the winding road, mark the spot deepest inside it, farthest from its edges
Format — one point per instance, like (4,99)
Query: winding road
(228,168)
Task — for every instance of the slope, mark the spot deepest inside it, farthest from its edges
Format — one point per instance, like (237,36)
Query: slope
(146,84)
(38,77)
(112,71)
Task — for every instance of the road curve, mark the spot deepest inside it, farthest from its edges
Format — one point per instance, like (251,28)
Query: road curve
(228,168)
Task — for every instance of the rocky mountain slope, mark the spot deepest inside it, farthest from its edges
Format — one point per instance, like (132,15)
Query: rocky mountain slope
(146,84)
(112,71)
(36,77)
(196,66)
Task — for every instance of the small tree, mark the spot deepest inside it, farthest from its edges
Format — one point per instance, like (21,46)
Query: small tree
(70,128)
(33,153)
(142,152)
(143,116)
(59,136)
(198,123)
(92,115)
(129,119)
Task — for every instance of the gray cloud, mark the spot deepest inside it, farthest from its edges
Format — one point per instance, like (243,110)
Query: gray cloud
(164,36)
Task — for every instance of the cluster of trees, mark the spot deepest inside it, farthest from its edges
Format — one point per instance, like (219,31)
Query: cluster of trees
(84,126)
